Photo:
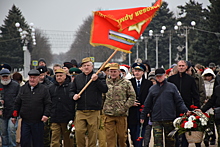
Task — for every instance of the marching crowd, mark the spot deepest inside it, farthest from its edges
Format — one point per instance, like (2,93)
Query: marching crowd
(119,103)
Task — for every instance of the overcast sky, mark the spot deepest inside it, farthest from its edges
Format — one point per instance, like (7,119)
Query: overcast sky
(68,15)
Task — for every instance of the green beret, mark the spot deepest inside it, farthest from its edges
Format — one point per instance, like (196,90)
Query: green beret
(74,71)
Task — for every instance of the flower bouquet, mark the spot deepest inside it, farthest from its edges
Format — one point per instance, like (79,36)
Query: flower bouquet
(71,128)
(192,125)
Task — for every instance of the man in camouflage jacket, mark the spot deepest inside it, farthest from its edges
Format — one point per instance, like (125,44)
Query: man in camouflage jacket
(119,98)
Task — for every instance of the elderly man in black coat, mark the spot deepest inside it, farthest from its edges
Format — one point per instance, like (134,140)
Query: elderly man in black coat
(33,103)
(141,87)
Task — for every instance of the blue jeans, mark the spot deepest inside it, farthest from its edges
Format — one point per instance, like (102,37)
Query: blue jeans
(8,132)
(32,134)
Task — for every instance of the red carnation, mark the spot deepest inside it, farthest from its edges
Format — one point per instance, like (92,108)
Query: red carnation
(140,138)
(191,106)
(195,107)
(15,113)
(181,114)
(140,110)
(182,125)
(73,125)
(1,89)
(206,115)
(197,117)
(142,106)
(195,125)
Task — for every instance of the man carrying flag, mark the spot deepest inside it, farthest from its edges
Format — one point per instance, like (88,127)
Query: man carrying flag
(120,29)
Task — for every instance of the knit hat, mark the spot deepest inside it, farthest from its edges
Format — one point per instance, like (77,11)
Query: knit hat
(41,60)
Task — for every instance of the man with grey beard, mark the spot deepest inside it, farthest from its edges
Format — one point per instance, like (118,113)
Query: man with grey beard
(10,90)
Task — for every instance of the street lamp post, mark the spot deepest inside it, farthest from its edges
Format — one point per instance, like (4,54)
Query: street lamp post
(145,38)
(186,28)
(26,36)
(157,39)
(137,52)
(170,46)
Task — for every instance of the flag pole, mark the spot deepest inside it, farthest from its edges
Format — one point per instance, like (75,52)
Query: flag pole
(103,65)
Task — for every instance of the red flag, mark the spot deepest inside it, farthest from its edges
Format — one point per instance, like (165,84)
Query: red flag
(120,29)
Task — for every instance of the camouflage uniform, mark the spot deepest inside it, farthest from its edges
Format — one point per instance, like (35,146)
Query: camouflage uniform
(158,128)
(119,98)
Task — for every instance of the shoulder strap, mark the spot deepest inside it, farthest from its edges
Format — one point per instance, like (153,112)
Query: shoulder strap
(161,90)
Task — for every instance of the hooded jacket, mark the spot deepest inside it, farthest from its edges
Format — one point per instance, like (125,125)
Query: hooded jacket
(209,85)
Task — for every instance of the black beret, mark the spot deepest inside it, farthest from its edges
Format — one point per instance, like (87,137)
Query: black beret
(4,65)
(42,69)
(73,61)
(33,72)
(67,64)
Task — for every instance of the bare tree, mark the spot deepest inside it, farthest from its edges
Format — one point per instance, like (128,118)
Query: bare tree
(42,48)
(81,47)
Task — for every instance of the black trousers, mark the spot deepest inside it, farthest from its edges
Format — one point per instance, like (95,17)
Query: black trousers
(32,134)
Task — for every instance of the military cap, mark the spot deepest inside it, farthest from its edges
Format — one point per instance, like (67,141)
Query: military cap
(159,72)
(60,70)
(33,72)
(4,65)
(74,71)
(114,66)
(87,59)
(139,66)
(67,64)
(4,72)
(106,67)
(42,69)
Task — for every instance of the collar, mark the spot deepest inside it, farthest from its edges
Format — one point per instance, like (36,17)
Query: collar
(162,83)
(138,80)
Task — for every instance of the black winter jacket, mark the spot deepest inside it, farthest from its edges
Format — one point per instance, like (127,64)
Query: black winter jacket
(33,104)
(47,82)
(187,88)
(164,108)
(63,107)
(10,92)
(213,102)
(91,98)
